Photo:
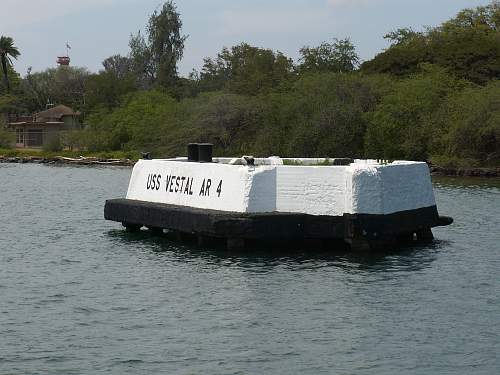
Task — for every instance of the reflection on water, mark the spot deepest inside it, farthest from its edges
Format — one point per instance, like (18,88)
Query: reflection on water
(79,295)
(409,258)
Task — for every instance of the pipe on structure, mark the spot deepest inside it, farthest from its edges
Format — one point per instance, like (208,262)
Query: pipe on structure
(200,152)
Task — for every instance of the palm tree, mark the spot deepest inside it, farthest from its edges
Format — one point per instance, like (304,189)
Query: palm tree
(7,52)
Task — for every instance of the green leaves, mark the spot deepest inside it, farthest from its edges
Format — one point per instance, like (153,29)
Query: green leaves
(321,115)
(246,70)
(467,45)
(339,57)
(154,58)
(474,124)
(63,85)
(402,125)
(7,52)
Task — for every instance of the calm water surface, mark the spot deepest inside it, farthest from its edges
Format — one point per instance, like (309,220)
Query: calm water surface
(78,295)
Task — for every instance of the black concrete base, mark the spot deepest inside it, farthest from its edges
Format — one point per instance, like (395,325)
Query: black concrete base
(358,230)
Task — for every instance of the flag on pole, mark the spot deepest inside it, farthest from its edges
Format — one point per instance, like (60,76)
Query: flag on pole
(68,46)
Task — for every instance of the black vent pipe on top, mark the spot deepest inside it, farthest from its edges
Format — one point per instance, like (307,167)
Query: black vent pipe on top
(205,152)
(200,152)
(193,152)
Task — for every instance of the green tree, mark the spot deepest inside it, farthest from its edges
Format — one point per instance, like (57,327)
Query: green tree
(322,115)
(227,120)
(467,45)
(156,57)
(140,57)
(484,17)
(472,123)
(119,66)
(9,104)
(245,70)
(403,124)
(339,56)
(106,88)
(402,36)
(62,85)
(6,137)
(7,52)
(402,57)
(137,123)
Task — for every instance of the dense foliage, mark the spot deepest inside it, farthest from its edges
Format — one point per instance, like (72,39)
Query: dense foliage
(432,94)
(467,45)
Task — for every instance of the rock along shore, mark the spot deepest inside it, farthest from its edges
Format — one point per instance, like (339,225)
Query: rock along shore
(464,172)
(64,160)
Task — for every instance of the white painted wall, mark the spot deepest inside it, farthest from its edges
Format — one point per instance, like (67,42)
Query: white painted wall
(385,189)
(315,190)
(406,186)
(362,187)
(261,189)
(237,183)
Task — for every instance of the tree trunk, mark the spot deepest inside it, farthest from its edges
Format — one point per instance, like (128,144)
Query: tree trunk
(5,72)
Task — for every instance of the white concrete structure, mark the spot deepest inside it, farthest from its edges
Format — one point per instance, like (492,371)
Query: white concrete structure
(364,187)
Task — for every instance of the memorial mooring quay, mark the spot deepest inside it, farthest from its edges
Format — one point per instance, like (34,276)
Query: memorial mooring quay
(363,204)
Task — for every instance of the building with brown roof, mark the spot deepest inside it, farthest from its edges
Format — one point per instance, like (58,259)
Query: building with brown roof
(37,130)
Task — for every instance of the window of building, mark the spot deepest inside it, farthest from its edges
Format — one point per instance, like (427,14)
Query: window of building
(20,136)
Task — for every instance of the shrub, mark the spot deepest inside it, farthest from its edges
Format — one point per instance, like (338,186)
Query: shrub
(53,143)
(473,120)
(403,124)
(7,138)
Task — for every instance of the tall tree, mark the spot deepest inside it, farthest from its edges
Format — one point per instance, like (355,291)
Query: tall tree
(140,57)
(7,52)
(156,56)
(166,42)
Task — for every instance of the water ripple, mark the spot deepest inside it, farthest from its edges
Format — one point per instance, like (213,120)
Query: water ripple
(80,295)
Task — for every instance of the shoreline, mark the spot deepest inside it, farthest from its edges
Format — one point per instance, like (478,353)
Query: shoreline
(66,160)
(490,172)
(61,160)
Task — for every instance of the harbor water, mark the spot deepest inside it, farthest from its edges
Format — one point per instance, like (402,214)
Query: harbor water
(79,295)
